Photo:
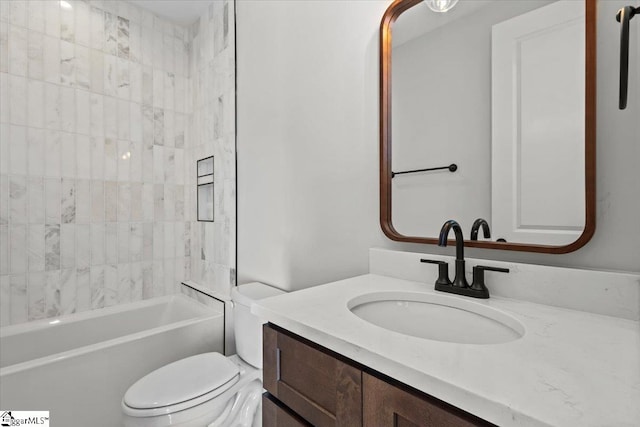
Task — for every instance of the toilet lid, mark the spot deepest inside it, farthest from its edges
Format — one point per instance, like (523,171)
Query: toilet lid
(183,380)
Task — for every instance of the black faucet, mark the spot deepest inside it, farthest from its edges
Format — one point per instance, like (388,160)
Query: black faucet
(460,280)
(460,286)
(486,231)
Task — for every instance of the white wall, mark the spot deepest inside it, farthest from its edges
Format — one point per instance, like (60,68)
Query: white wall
(308,146)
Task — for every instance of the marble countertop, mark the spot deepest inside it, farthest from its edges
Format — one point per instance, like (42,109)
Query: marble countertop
(571,368)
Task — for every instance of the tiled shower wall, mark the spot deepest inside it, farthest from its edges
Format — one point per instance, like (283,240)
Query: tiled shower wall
(212,133)
(97,202)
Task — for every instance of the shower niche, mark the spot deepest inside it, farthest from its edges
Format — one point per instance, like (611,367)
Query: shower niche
(205,189)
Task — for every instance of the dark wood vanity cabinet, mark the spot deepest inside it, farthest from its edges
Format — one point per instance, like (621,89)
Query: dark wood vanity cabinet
(309,385)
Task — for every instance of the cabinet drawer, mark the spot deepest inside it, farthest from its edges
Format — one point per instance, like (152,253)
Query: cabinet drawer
(320,388)
(388,405)
(275,415)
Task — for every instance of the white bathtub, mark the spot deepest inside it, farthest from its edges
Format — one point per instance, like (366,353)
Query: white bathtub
(78,367)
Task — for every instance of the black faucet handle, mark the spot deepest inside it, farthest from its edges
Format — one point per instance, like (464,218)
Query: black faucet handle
(443,271)
(478,277)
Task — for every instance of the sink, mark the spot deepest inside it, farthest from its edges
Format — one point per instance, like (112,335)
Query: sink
(437,317)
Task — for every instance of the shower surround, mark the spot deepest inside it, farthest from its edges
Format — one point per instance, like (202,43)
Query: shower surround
(105,110)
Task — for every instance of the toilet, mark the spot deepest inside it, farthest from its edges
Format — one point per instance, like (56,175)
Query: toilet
(207,389)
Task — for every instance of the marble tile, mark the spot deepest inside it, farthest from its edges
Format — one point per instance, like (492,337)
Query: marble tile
(136,201)
(124,283)
(36,248)
(158,164)
(17,199)
(111,34)
(147,202)
(4,195)
(123,37)
(35,55)
(67,246)
(83,201)
(158,88)
(35,151)
(36,201)
(168,127)
(83,156)
(124,202)
(68,155)
(110,201)
(147,280)
(67,109)
(158,278)
(158,202)
(52,106)
(68,201)
(97,28)
(97,239)
(35,96)
(179,203)
(83,246)
(169,203)
(97,201)
(124,235)
(68,289)
(96,274)
(123,79)
(170,283)
(96,127)
(18,52)
(110,75)
(51,59)
(36,296)
(4,251)
(18,149)
(52,293)
(147,87)
(19,303)
(135,242)
(135,42)
(83,289)
(110,159)
(52,197)
(18,100)
(52,247)
(124,120)
(83,23)
(96,71)
(169,240)
(67,24)
(158,126)
(83,67)
(36,16)
(136,273)
(67,64)
(158,240)
(111,243)
(147,241)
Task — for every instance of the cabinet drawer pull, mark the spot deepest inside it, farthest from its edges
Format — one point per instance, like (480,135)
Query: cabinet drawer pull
(278,376)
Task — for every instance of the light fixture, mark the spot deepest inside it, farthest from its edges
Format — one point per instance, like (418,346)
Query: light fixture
(441,5)
(65,4)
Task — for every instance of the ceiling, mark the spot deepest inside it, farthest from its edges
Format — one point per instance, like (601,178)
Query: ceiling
(183,12)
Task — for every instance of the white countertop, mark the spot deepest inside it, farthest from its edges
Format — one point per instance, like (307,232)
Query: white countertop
(571,368)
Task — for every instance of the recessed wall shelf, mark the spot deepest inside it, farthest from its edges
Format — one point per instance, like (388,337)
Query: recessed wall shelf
(205,189)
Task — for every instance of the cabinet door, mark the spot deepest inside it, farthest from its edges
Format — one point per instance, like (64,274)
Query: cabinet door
(386,405)
(312,383)
(275,415)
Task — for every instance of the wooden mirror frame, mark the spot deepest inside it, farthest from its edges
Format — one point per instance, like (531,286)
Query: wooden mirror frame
(391,14)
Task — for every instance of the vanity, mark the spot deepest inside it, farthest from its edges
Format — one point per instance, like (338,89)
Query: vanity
(573,358)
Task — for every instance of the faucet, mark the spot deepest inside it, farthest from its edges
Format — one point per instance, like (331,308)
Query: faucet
(460,279)
(486,231)
(460,286)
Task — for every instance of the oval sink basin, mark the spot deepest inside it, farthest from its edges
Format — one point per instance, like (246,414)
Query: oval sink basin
(437,317)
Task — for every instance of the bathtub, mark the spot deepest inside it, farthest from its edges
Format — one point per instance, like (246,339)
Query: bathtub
(78,367)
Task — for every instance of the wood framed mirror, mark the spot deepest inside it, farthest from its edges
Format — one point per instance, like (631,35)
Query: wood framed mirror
(488,111)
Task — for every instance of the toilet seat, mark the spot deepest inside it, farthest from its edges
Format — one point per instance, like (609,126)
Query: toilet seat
(181,385)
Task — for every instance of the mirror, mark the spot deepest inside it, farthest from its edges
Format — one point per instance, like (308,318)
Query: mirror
(488,111)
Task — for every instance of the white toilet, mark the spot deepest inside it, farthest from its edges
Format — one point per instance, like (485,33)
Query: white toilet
(207,389)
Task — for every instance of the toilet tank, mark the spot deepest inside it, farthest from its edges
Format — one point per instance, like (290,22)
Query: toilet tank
(248,328)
